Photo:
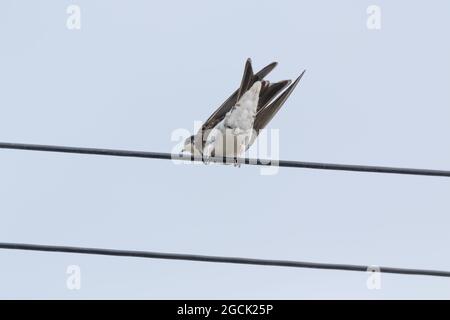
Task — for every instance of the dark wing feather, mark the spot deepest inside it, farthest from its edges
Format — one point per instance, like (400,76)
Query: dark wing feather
(269,91)
(220,113)
(267,113)
(247,79)
(261,74)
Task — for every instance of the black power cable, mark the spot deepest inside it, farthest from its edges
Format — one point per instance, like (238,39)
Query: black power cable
(221,259)
(260,162)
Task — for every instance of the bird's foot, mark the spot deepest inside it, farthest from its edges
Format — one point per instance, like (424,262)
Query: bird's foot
(206,159)
(237,163)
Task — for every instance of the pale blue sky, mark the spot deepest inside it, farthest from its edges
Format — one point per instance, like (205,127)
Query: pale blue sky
(137,70)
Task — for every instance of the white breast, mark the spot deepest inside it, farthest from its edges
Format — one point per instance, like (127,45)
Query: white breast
(227,142)
(243,114)
(232,135)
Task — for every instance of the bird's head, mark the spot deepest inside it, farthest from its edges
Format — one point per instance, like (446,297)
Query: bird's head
(189,145)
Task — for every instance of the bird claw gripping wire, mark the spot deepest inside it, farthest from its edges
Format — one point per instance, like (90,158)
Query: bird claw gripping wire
(206,159)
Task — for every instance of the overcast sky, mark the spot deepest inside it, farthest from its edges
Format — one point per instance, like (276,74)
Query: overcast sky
(138,70)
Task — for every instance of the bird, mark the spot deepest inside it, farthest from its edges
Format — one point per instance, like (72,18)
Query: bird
(236,124)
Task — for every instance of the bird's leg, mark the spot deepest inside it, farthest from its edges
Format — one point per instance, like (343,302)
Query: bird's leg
(235,149)
(208,150)
(206,159)
(236,162)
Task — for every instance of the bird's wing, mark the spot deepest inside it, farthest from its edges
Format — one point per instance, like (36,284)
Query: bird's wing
(269,91)
(248,79)
(267,113)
